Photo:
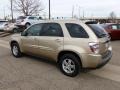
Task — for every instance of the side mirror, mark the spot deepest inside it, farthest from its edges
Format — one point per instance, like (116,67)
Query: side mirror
(24,33)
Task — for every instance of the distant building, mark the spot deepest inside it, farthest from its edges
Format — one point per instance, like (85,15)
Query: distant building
(103,19)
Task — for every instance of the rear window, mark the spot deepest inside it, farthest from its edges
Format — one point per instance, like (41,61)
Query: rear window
(76,30)
(98,30)
(21,17)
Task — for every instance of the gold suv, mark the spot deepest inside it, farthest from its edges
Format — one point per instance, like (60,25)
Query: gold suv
(71,43)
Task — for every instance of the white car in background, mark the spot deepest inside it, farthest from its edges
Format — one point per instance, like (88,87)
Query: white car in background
(11,27)
(3,23)
(26,21)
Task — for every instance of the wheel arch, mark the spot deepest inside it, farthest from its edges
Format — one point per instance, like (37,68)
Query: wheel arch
(71,52)
(13,41)
(28,23)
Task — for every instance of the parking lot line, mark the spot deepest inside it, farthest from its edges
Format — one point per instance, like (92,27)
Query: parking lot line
(3,34)
(111,72)
(4,44)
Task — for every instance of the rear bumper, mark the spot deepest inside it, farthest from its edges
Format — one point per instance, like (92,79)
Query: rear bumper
(92,61)
(105,59)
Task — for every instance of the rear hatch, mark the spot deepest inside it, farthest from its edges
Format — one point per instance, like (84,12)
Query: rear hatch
(104,38)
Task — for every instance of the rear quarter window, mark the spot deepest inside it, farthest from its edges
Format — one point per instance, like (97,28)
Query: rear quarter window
(98,30)
(76,31)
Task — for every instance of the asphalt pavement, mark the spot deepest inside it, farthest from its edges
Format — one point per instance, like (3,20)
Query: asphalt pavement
(31,73)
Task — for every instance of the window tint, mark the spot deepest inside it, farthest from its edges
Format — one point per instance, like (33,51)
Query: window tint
(51,29)
(76,30)
(34,30)
(98,30)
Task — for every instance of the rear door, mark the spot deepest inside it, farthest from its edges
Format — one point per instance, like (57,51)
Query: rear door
(51,40)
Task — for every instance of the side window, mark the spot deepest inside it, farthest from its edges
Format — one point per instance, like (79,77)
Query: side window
(33,18)
(51,29)
(34,30)
(76,30)
(114,27)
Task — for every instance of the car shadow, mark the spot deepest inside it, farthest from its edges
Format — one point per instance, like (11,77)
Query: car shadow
(41,59)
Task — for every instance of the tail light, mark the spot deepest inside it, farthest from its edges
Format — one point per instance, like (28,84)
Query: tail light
(94,47)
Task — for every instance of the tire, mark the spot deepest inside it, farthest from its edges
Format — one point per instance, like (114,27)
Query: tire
(72,69)
(16,50)
(15,30)
(27,25)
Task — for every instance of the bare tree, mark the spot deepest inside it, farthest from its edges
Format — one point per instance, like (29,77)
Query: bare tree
(28,7)
(113,16)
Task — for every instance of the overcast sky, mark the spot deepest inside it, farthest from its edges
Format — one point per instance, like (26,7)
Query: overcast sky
(63,8)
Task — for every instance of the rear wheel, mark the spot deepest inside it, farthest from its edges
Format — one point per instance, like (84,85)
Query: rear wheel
(16,50)
(69,64)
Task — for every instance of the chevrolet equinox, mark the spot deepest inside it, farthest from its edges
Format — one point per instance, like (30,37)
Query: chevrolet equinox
(72,44)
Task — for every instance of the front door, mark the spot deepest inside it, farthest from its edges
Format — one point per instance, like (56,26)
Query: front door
(29,43)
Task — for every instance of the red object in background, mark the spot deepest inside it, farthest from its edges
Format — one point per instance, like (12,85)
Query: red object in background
(113,30)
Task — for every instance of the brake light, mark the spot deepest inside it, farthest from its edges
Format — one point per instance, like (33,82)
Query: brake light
(94,47)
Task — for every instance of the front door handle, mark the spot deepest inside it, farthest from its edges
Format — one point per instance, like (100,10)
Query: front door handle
(58,40)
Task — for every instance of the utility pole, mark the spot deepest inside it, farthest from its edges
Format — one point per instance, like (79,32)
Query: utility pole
(11,2)
(73,12)
(49,10)
(83,15)
(79,11)
(4,13)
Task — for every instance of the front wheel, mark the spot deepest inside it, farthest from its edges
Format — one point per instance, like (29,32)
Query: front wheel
(15,30)
(69,64)
(16,50)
